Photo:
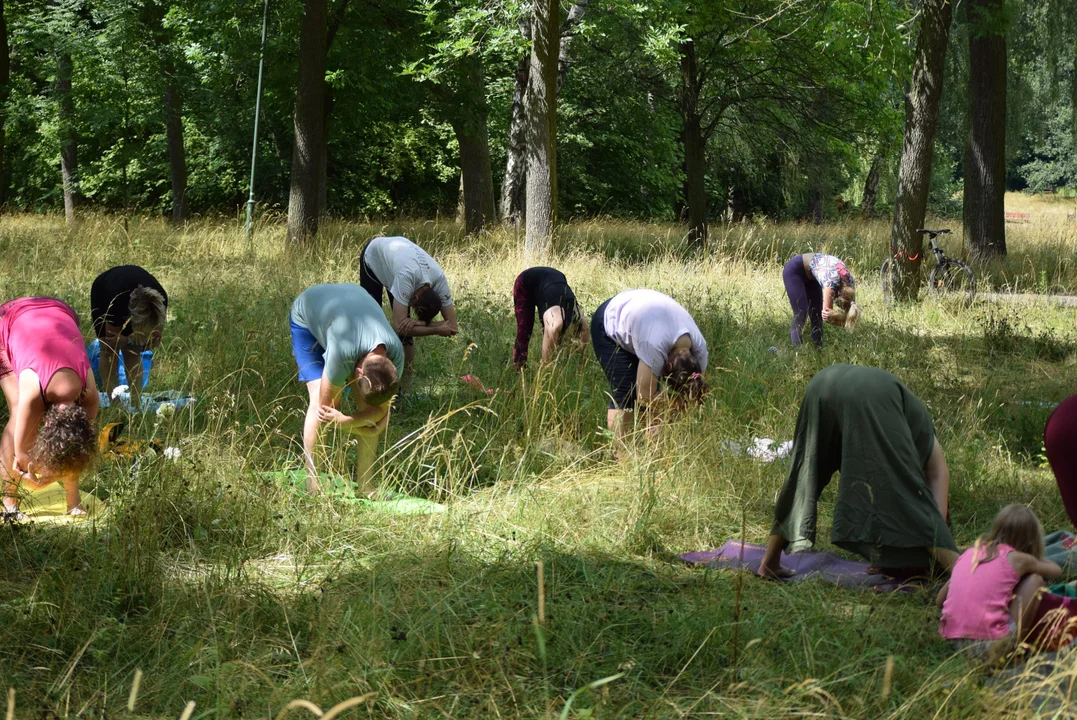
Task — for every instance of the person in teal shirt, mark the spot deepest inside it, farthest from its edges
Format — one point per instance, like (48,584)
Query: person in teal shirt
(340,338)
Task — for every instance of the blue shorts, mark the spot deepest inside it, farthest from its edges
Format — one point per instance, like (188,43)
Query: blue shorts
(309,355)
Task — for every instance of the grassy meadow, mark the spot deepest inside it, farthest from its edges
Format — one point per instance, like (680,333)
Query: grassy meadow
(227,590)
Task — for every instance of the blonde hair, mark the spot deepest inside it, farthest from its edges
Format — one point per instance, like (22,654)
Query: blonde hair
(147,308)
(1016,526)
(852,316)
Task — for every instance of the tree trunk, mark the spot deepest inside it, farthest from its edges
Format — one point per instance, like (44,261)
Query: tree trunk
(568,34)
(68,134)
(177,157)
(514,184)
(476,174)
(333,25)
(309,124)
(871,183)
(984,212)
(473,136)
(542,134)
(921,118)
(5,85)
(323,161)
(816,205)
(695,191)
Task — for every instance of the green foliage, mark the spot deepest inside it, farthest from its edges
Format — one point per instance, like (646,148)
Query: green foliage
(796,98)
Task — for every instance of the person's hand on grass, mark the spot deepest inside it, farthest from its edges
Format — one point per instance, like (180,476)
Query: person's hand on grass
(77,511)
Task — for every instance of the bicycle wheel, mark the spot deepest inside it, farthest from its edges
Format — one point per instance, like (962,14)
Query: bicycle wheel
(886,273)
(954,279)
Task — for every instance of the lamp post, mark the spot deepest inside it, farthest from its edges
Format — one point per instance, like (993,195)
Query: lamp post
(257,112)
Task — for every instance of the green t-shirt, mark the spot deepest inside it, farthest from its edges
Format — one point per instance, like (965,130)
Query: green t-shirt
(348,323)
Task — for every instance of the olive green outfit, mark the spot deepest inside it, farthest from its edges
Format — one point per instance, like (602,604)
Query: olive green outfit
(863,423)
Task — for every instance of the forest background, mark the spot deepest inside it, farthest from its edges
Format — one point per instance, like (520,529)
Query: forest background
(666,109)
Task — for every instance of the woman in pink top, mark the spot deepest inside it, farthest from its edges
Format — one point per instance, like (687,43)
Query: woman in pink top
(991,600)
(46,378)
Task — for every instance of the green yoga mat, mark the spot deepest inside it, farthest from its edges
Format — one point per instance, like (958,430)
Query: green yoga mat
(343,490)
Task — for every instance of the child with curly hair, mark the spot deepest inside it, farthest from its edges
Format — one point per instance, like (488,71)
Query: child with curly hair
(990,603)
(51,396)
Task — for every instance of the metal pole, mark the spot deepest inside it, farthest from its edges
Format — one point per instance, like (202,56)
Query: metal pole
(257,112)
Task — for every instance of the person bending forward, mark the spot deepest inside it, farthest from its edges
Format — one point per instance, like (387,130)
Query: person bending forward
(414,281)
(340,337)
(893,491)
(544,291)
(46,378)
(640,337)
(128,309)
(820,289)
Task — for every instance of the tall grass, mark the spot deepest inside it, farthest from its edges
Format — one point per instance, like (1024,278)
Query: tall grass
(229,590)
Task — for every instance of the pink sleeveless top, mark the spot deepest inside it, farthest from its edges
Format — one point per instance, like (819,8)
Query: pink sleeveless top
(42,334)
(977,605)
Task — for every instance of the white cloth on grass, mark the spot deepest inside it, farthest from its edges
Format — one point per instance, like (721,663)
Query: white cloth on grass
(156,402)
(763,449)
(647,324)
(404,267)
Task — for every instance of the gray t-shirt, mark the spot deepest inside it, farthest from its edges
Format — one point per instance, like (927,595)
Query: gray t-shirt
(348,323)
(403,267)
(647,324)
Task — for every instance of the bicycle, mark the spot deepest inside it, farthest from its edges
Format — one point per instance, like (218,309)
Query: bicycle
(950,278)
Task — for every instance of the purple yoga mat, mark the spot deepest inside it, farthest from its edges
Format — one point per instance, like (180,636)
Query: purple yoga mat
(827,566)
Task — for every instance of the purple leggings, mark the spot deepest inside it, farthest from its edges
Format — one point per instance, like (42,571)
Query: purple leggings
(806,298)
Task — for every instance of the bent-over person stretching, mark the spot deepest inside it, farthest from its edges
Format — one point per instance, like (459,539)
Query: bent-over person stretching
(340,337)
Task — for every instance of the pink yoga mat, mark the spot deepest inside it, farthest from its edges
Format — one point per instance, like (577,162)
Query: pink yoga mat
(826,566)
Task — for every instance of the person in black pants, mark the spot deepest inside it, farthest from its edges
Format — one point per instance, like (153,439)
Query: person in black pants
(546,291)
(128,308)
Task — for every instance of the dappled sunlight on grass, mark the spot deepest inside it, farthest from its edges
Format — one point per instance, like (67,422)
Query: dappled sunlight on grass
(231,589)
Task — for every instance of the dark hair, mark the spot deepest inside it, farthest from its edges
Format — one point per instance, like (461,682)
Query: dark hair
(65,441)
(426,303)
(381,373)
(685,376)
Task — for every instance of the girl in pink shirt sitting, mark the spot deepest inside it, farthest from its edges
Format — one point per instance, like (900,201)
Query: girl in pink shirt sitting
(46,379)
(991,601)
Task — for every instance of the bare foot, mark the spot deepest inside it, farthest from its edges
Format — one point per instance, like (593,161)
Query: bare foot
(313,486)
(778,573)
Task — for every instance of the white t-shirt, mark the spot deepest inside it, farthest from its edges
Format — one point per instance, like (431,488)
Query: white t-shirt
(647,324)
(403,267)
